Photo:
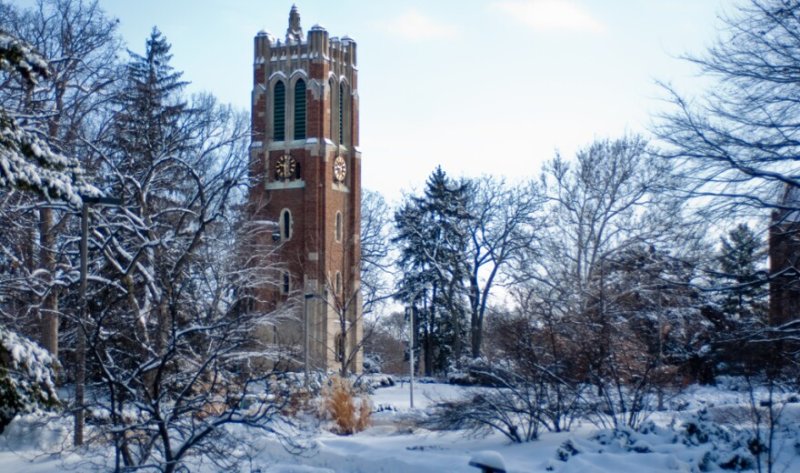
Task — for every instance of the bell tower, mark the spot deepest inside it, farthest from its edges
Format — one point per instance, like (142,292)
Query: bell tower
(305,168)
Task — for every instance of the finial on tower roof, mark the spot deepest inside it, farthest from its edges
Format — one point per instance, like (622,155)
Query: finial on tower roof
(294,33)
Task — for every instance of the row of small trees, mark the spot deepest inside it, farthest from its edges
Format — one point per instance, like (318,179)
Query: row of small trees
(603,238)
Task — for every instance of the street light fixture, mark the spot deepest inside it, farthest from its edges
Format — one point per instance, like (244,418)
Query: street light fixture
(80,371)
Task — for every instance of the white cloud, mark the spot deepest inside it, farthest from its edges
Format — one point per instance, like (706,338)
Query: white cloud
(415,25)
(551,15)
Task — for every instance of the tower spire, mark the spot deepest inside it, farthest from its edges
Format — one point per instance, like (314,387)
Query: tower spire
(294,33)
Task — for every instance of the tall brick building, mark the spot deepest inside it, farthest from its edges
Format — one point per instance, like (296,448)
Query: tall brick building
(784,260)
(305,163)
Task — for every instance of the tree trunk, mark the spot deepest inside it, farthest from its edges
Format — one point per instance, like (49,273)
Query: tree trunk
(49,307)
(477,336)
(475,323)
(428,353)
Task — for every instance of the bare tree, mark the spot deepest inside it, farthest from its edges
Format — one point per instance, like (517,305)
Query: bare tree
(610,223)
(376,271)
(170,391)
(80,45)
(737,144)
(173,335)
(739,141)
(502,229)
(344,299)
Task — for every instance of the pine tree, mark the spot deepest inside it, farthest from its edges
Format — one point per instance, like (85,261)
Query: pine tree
(743,295)
(433,237)
(148,126)
(27,160)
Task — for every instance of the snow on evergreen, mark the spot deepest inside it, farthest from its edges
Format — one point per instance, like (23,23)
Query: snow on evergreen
(26,377)
(26,160)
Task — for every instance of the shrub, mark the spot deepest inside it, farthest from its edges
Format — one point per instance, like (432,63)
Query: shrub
(345,407)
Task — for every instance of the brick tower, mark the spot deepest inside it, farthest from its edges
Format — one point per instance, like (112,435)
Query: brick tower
(306,169)
(784,260)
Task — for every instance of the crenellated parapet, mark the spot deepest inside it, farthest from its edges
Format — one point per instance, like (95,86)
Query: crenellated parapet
(339,54)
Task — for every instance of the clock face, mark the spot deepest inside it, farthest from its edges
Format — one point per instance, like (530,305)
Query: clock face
(339,169)
(285,167)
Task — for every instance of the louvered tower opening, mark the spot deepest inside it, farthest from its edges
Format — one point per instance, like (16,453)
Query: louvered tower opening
(341,113)
(279,112)
(300,110)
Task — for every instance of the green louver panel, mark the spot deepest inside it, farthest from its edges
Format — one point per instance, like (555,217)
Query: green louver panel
(279,113)
(341,113)
(300,110)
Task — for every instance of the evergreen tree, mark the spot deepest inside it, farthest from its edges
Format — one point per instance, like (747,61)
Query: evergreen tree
(743,295)
(27,160)
(149,123)
(432,235)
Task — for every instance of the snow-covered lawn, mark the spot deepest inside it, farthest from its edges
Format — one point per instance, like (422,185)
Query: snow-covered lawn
(394,445)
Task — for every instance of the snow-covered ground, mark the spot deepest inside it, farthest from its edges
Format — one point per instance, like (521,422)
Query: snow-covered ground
(394,445)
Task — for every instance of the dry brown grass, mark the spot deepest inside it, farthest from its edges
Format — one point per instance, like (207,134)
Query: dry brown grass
(345,407)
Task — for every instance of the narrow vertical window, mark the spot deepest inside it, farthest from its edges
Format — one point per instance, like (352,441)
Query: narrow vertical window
(286,224)
(341,114)
(286,283)
(340,347)
(300,110)
(279,112)
(338,284)
(332,86)
(338,231)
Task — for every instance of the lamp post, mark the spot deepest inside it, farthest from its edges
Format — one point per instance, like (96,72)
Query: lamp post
(80,355)
(411,356)
(306,338)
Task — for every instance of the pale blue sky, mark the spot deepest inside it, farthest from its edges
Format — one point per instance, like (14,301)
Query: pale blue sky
(478,86)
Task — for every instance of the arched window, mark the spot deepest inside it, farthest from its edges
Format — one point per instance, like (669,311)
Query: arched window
(286,224)
(341,113)
(286,283)
(340,347)
(279,112)
(300,110)
(338,230)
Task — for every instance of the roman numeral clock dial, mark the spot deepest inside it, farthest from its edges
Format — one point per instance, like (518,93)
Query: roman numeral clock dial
(285,167)
(339,169)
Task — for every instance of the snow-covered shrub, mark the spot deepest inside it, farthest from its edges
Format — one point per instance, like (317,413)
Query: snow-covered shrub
(368,383)
(649,438)
(730,448)
(349,411)
(372,363)
(566,450)
(514,410)
(702,443)
(26,377)
(478,372)
(290,390)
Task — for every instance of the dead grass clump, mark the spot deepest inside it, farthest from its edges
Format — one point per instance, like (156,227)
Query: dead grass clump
(345,407)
